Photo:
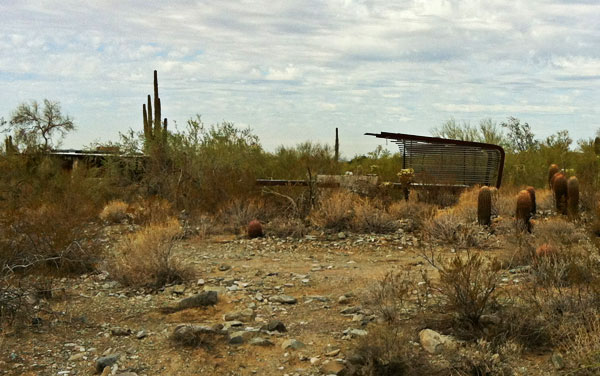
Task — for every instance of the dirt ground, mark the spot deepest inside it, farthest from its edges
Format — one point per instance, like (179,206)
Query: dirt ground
(91,316)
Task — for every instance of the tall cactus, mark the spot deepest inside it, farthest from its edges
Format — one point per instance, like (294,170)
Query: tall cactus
(484,206)
(10,148)
(154,129)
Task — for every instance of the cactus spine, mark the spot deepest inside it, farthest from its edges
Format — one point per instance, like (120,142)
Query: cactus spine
(154,129)
(523,212)
(553,169)
(484,206)
(559,186)
(531,191)
(573,196)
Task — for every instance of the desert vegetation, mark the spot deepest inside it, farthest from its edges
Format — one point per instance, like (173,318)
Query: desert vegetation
(479,281)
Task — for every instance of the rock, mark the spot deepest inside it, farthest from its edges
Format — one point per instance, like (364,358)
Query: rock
(224,267)
(434,342)
(557,361)
(292,344)
(127,374)
(333,353)
(333,368)
(259,341)
(203,299)
(192,334)
(120,331)
(106,361)
(283,299)
(355,332)
(343,299)
(141,334)
(350,310)
(236,338)
(243,315)
(106,371)
(341,235)
(75,357)
(275,326)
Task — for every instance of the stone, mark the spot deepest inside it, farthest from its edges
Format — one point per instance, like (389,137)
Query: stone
(283,299)
(434,342)
(557,361)
(191,334)
(343,299)
(203,299)
(244,315)
(341,235)
(333,368)
(292,344)
(275,326)
(75,357)
(141,334)
(333,353)
(224,267)
(120,331)
(259,341)
(350,310)
(106,361)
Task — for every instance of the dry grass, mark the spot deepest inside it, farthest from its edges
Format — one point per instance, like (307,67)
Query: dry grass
(448,228)
(286,227)
(114,212)
(466,207)
(559,231)
(371,217)
(150,210)
(417,213)
(582,347)
(544,199)
(145,258)
(334,211)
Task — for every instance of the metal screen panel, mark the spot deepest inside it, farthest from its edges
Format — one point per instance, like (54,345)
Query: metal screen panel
(439,161)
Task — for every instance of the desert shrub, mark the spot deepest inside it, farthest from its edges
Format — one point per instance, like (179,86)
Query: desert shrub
(284,227)
(417,213)
(440,196)
(559,231)
(334,211)
(449,229)
(582,346)
(544,199)
(238,213)
(468,287)
(114,212)
(145,258)
(150,210)
(370,216)
(466,206)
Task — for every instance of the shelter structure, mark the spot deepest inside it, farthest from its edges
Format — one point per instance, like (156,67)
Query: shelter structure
(446,162)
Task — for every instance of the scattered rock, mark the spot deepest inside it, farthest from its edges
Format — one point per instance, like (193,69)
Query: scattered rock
(224,267)
(120,331)
(341,235)
(259,341)
(343,299)
(350,310)
(106,361)
(141,334)
(434,342)
(203,299)
(333,368)
(275,326)
(75,357)
(283,299)
(243,315)
(193,335)
(292,344)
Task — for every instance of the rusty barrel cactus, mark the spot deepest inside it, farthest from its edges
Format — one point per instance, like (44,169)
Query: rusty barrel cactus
(573,196)
(559,186)
(255,229)
(484,206)
(523,213)
(531,191)
(552,170)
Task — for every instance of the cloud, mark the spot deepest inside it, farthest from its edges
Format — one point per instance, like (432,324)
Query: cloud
(295,70)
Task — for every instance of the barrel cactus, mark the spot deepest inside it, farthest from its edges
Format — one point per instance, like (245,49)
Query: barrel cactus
(484,206)
(255,229)
(559,186)
(573,196)
(531,191)
(523,213)
(553,169)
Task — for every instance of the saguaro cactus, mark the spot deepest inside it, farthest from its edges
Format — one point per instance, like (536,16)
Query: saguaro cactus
(337,146)
(531,191)
(523,212)
(553,169)
(559,186)
(573,196)
(154,130)
(484,206)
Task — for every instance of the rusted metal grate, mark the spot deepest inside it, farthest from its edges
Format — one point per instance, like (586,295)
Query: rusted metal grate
(445,162)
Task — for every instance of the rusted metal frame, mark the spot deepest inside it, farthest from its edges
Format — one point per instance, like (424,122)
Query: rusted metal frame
(294,183)
(437,140)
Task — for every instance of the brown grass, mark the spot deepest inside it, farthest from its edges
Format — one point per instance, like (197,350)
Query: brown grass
(415,213)
(114,212)
(334,211)
(145,258)
(449,229)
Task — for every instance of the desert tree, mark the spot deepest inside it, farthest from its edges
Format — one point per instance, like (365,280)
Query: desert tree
(39,126)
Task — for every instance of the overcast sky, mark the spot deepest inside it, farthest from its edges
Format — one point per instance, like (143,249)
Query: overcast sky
(295,70)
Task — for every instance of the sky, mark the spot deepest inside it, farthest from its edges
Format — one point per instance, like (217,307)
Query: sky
(293,71)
